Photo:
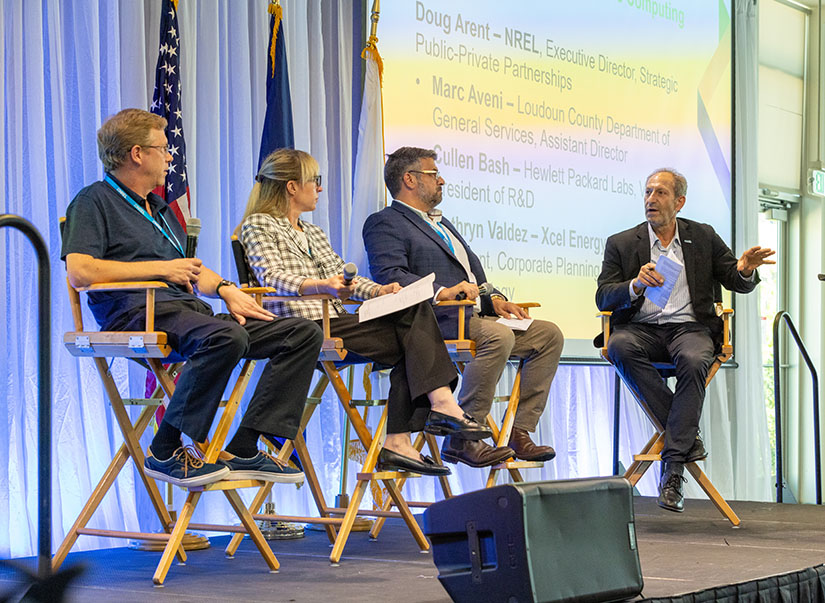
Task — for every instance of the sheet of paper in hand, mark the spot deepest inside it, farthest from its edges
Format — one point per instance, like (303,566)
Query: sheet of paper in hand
(410,295)
(670,270)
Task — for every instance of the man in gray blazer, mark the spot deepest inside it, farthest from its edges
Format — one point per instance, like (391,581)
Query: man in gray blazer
(686,331)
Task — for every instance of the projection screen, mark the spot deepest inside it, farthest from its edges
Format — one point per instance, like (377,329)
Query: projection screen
(548,116)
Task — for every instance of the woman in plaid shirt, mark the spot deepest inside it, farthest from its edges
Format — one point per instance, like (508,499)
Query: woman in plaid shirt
(295,258)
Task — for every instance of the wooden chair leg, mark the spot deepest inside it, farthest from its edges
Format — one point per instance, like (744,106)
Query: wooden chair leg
(407,515)
(107,481)
(512,406)
(379,522)
(349,519)
(176,537)
(443,480)
(257,503)
(355,502)
(315,485)
(713,493)
(109,477)
(252,529)
(502,436)
(638,467)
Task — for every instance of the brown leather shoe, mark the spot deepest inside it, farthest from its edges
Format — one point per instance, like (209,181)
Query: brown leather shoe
(474,453)
(526,450)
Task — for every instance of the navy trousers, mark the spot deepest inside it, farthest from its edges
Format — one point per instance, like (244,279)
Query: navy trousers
(633,347)
(212,346)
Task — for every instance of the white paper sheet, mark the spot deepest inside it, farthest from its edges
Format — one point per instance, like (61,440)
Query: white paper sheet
(670,270)
(517,324)
(410,295)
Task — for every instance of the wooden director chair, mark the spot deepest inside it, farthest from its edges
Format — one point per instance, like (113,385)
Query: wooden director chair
(462,350)
(652,450)
(338,521)
(151,347)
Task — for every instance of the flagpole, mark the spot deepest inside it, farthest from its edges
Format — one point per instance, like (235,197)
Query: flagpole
(372,44)
(374,16)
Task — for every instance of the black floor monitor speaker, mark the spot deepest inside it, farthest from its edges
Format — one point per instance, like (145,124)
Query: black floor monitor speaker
(571,540)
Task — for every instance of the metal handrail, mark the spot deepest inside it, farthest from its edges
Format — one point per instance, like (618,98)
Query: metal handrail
(44,386)
(780,316)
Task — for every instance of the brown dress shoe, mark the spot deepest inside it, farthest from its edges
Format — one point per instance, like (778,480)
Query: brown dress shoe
(526,450)
(474,453)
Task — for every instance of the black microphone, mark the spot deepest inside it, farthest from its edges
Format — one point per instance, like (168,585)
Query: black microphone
(349,272)
(193,230)
(483,289)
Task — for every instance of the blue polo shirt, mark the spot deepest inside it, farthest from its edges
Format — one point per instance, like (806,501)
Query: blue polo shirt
(102,224)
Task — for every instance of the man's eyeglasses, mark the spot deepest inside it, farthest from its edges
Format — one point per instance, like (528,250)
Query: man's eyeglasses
(433,172)
(160,147)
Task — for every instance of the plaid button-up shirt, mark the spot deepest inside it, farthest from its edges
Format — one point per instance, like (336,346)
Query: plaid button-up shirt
(278,259)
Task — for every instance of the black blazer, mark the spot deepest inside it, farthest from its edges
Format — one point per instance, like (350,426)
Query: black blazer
(709,265)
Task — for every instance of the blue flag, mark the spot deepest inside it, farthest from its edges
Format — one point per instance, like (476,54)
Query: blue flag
(278,131)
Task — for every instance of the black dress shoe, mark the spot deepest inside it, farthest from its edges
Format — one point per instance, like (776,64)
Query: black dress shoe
(526,449)
(466,427)
(697,451)
(392,461)
(474,453)
(670,488)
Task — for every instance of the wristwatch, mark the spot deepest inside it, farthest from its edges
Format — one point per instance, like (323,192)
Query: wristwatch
(223,283)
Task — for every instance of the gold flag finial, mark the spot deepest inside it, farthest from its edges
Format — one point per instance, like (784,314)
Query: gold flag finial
(276,11)
(374,16)
(372,42)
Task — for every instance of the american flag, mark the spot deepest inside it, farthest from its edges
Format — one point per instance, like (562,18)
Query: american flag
(166,103)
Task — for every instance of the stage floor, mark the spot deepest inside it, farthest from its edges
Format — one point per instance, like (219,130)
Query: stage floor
(679,554)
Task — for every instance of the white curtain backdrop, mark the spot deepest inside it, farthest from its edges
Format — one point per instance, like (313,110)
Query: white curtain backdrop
(68,64)
(752,479)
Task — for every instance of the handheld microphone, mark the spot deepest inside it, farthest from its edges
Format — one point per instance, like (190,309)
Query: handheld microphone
(483,289)
(193,230)
(349,272)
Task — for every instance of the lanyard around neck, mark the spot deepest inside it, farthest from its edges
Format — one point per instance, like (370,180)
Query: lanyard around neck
(442,232)
(170,236)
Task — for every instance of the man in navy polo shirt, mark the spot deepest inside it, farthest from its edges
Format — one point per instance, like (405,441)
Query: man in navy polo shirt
(118,230)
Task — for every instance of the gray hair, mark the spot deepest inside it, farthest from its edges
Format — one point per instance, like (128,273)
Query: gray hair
(679,181)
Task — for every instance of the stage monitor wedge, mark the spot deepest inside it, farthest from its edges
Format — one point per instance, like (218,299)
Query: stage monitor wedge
(571,540)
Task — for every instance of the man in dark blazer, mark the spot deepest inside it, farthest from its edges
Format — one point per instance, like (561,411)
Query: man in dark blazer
(409,240)
(686,331)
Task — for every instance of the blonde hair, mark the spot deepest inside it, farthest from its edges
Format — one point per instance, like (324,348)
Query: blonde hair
(269,194)
(122,131)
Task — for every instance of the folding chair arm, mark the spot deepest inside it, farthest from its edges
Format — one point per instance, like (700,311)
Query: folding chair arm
(124,286)
(462,305)
(725,314)
(605,316)
(149,286)
(333,347)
